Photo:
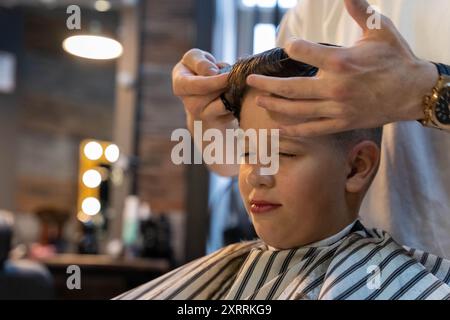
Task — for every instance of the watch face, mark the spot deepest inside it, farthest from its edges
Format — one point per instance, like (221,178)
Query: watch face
(443,106)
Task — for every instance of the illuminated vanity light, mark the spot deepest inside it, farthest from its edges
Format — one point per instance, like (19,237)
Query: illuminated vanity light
(112,153)
(93,150)
(93,47)
(92,178)
(91,206)
(102,5)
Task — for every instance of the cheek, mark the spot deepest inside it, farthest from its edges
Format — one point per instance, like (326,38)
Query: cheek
(244,188)
(308,177)
(303,184)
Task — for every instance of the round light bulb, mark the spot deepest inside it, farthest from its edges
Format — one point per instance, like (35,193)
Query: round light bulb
(112,153)
(93,150)
(102,5)
(93,47)
(91,206)
(92,178)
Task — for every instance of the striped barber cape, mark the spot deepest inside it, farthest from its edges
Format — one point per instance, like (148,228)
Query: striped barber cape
(357,264)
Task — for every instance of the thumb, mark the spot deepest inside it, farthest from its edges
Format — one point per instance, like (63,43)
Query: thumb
(358,9)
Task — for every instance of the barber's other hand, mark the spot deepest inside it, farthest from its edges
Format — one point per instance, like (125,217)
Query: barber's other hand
(377,81)
(197,82)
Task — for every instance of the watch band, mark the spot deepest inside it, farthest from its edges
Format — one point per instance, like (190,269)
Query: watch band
(426,121)
(442,68)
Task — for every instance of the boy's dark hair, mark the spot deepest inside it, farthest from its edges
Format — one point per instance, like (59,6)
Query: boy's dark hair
(276,63)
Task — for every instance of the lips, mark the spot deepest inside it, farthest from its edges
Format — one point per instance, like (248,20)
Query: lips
(261,206)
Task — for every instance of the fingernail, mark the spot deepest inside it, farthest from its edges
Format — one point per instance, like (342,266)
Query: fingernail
(214,70)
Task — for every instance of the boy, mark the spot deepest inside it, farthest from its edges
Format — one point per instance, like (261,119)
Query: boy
(312,244)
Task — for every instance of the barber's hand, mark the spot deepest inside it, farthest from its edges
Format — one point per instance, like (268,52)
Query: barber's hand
(197,83)
(377,81)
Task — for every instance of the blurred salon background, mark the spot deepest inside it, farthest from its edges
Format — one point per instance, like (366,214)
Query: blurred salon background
(86,116)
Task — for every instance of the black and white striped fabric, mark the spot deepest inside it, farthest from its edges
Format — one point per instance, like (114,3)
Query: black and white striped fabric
(355,264)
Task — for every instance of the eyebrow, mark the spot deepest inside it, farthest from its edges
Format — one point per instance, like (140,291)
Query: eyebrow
(303,142)
(297,141)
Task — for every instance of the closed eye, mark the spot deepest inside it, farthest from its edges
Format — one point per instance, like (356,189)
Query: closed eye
(283,154)
(288,155)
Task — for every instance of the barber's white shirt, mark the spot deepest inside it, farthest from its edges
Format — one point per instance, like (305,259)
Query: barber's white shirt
(410,196)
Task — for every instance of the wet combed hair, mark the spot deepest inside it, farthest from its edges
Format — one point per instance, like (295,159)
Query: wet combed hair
(276,63)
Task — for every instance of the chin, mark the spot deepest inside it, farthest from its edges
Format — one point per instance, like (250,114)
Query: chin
(272,241)
(279,245)
(279,241)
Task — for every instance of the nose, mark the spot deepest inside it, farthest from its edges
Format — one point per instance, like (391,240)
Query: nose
(257,180)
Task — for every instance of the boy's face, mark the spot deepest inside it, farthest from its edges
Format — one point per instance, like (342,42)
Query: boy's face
(305,201)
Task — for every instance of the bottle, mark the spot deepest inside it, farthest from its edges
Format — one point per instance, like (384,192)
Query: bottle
(130,225)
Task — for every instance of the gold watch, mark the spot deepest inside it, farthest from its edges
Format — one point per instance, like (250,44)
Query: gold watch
(437,105)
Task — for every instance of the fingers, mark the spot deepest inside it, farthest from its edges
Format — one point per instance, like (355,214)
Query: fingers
(200,62)
(197,74)
(216,110)
(299,109)
(210,57)
(363,14)
(315,128)
(198,85)
(291,88)
(358,9)
(197,104)
(315,54)
(185,83)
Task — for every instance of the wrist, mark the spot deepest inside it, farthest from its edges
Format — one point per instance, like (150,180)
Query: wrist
(427,76)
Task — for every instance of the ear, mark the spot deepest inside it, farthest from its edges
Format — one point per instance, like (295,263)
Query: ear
(362,163)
